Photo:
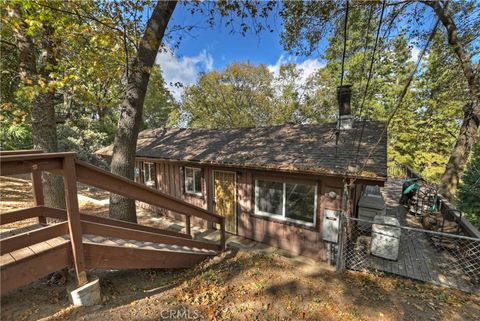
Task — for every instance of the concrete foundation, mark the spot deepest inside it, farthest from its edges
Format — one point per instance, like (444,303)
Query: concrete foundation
(86,295)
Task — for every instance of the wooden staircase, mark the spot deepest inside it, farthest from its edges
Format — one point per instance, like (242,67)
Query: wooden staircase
(84,241)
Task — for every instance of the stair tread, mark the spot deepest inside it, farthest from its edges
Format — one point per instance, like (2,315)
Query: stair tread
(20,254)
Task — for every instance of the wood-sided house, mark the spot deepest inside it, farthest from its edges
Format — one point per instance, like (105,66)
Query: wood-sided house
(273,184)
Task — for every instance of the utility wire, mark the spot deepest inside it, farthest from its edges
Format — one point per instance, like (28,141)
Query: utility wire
(370,73)
(367,39)
(344,42)
(345,29)
(400,100)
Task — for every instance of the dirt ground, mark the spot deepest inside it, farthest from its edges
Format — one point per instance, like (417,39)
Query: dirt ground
(238,285)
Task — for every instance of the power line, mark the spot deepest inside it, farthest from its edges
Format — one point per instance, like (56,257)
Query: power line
(370,73)
(344,42)
(401,97)
(345,29)
(367,39)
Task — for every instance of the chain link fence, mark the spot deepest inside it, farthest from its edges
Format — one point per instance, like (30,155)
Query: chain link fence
(440,258)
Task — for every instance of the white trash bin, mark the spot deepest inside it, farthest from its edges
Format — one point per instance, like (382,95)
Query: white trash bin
(385,239)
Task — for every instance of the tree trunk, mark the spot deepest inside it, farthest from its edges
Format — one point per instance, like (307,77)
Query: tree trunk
(456,164)
(469,130)
(44,131)
(44,127)
(131,108)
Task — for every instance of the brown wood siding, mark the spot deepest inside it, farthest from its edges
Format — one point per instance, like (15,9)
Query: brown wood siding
(286,235)
(289,236)
(170,180)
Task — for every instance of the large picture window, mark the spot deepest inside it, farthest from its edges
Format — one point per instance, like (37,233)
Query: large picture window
(149,174)
(193,180)
(286,201)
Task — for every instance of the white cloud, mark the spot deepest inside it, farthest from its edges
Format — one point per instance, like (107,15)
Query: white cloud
(415,52)
(184,70)
(308,67)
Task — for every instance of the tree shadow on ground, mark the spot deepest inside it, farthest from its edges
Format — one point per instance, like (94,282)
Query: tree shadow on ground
(244,285)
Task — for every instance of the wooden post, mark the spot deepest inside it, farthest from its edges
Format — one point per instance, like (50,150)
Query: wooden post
(38,193)
(73,214)
(222,235)
(187,225)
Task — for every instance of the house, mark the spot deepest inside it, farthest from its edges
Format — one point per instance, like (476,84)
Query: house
(273,184)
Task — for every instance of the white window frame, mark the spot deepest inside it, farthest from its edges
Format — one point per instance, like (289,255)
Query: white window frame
(194,192)
(152,182)
(284,195)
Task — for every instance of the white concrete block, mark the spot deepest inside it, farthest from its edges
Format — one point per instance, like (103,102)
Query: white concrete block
(86,295)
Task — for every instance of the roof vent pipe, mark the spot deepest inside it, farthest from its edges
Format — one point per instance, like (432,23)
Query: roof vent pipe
(344,97)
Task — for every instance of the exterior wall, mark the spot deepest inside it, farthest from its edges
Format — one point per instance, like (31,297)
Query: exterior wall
(293,237)
(170,180)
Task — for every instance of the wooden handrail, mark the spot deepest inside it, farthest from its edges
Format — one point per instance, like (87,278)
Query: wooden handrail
(20,152)
(25,239)
(20,215)
(10,166)
(91,175)
(130,234)
(35,156)
(62,214)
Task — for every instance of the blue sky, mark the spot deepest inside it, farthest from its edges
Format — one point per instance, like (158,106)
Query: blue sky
(224,46)
(203,49)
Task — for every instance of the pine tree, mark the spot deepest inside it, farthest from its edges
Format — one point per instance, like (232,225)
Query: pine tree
(469,191)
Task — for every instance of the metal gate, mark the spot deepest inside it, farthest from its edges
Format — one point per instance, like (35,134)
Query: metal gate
(443,259)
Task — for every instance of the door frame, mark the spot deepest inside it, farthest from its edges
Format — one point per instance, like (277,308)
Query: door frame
(234,195)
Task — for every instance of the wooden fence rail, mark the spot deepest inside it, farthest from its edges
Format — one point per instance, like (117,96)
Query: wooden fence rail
(447,209)
(25,239)
(75,225)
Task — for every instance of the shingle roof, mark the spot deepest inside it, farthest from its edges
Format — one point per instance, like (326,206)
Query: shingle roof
(299,148)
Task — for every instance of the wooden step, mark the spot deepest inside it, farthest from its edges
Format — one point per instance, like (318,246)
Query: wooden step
(27,266)
(122,257)
(31,250)
(21,267)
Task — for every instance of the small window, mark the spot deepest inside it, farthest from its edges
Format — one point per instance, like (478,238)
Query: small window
(286,201)
(300,202)
(269,197)
(149,174)
(193,180)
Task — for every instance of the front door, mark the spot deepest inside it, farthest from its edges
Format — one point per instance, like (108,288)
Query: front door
(224,197)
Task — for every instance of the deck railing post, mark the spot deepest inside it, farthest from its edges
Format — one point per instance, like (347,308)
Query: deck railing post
(188,225)
(38,193)
(73,214)
(222,235)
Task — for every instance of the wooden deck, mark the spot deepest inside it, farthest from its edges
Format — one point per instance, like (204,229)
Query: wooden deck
(418,258)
